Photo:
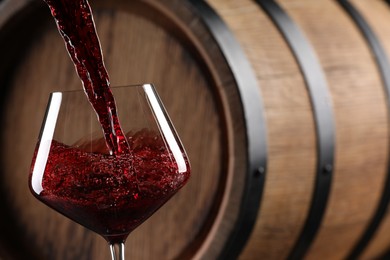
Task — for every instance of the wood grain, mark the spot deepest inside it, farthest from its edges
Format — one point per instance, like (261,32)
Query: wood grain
(291,135)
(361,124)
(375,13)
(167,44)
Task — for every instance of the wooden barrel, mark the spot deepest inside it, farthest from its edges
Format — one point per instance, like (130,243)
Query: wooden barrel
(282,106)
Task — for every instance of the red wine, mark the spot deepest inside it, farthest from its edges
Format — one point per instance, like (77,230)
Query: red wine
(76,25)
(105,193)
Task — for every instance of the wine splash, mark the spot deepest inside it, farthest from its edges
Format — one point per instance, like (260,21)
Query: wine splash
(101,195)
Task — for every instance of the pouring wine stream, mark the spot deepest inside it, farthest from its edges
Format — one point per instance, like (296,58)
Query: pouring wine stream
(76,25)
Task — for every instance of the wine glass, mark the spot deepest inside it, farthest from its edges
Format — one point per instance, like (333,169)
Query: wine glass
(75,173)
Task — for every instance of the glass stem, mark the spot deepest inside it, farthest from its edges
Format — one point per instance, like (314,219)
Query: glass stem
(117,251)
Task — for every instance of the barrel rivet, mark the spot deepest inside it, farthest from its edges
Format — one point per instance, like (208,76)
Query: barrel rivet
(259,172)
(327,169)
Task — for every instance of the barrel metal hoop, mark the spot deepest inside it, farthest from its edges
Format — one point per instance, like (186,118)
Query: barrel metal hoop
(323,116)
(384,70)
(252,107)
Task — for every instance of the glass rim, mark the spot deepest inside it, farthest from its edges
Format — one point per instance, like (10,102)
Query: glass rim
(111,87)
